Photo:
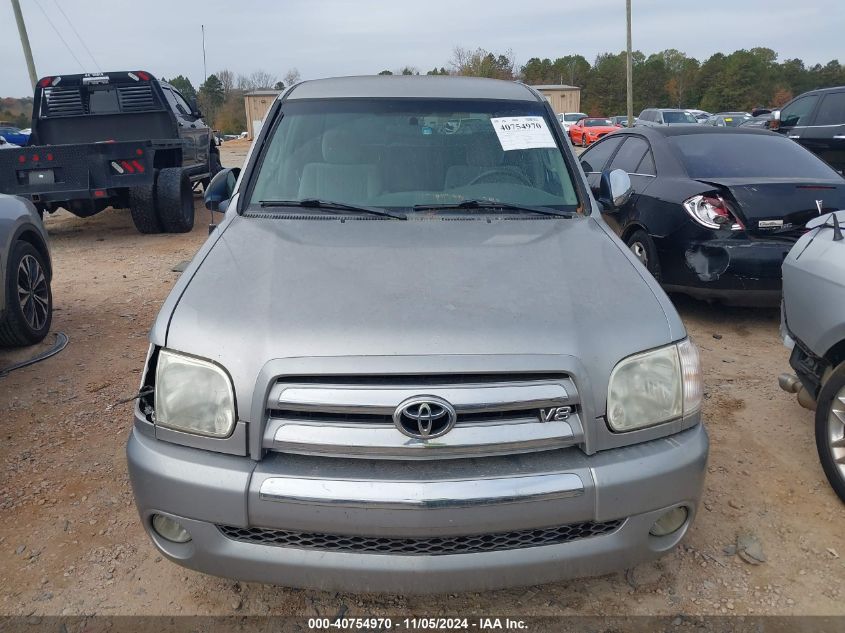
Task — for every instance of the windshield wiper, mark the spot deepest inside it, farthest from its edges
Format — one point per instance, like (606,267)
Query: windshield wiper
(314,203)
(492,204)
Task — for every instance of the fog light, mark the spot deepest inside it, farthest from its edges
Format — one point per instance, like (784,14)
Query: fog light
(671,521)
(169,529)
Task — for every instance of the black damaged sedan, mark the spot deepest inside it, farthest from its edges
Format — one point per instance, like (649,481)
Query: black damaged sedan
(714,210)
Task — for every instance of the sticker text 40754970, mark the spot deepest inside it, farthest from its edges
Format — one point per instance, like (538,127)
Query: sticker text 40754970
(523,132)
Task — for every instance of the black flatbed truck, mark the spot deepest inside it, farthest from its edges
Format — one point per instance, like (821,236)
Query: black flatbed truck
(117,139)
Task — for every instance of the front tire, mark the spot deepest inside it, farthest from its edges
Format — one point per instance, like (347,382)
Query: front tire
(175,200)
(830,430)
(29,299)
(644,249)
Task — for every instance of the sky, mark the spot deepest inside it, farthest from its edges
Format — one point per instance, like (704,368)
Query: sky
(323,38)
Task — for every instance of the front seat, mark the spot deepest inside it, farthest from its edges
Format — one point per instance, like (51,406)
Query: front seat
(344,176)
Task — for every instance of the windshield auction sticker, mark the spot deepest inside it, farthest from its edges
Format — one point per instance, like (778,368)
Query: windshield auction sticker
(522,132)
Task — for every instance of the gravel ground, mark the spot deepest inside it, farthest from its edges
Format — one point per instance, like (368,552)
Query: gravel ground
(71,543)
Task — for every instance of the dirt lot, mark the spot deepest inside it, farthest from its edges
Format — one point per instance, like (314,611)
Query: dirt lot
(71,543)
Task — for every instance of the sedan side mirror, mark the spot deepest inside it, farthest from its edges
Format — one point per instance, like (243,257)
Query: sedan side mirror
(221,188)
(614,190)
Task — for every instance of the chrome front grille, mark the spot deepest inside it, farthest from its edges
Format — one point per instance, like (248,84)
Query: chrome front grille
(431,546)
(352,416)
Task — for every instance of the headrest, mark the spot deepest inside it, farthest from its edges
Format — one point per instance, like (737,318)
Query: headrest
(484,150)
(341,147)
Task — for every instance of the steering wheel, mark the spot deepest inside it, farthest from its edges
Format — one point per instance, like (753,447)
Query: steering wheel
(513,176)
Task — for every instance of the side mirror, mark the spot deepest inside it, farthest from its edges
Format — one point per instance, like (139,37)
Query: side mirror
(195,109)
(774,122)
(221,188)
(614,190)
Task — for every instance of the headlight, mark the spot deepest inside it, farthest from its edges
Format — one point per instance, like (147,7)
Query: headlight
(193,395)
(654,387)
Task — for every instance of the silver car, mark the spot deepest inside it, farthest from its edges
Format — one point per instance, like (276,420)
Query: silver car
(651,117)
(26,301)
(813,325)
(413,357)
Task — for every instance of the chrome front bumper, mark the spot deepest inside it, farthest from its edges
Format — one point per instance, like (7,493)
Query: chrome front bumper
(395,500)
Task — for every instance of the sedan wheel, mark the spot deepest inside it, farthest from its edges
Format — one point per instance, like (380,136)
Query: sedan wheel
(640,251)
(643,248)
(29,306)
(830,430)
(33,294)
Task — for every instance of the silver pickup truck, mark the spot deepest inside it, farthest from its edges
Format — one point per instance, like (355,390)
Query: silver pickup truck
(413,357)
(813,326)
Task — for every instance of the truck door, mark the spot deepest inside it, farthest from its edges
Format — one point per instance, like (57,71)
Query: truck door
(825,135)
(796,115)
(190,131)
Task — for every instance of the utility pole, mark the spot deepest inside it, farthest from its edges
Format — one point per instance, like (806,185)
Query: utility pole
(27,51)
(204,69)
(629,69)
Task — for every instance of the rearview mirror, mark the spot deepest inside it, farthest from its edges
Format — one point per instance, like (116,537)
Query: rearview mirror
(614,189)
(221,188)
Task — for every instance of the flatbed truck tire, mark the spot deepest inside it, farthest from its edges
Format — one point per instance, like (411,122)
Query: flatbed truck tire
(174,200)
(142,207)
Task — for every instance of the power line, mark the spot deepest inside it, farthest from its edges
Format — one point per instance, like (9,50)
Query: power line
(70,50)
(81,41)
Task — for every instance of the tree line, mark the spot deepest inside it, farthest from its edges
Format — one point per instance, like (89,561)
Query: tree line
(740,80)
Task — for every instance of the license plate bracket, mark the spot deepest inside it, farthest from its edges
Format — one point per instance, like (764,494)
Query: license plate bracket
(41,177)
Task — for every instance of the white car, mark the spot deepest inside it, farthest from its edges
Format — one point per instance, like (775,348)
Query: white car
(568,119)
(700,115)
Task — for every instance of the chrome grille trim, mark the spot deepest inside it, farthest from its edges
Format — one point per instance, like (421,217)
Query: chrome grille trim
(411,495)
(432,546)
(383,400)
(353,416)
(386,442)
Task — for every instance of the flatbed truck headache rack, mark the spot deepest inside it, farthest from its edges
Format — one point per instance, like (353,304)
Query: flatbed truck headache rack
(118,139)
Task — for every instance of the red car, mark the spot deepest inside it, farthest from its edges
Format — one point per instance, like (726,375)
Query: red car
(587,131)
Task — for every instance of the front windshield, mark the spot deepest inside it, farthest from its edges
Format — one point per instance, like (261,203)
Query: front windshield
(678,117)
(573,116)
(597,122)
(405,152)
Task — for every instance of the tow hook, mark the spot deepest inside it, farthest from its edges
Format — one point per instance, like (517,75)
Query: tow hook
(790,383)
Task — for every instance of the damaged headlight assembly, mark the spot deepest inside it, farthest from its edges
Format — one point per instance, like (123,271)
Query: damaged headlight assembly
(193,396)
(655,387)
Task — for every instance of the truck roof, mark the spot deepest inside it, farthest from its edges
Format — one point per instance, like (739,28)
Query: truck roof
(426,86)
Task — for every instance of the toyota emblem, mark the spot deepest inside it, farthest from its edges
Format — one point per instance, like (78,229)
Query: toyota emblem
(424,417)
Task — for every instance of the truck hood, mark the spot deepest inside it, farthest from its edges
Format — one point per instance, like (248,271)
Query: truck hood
(272,288)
